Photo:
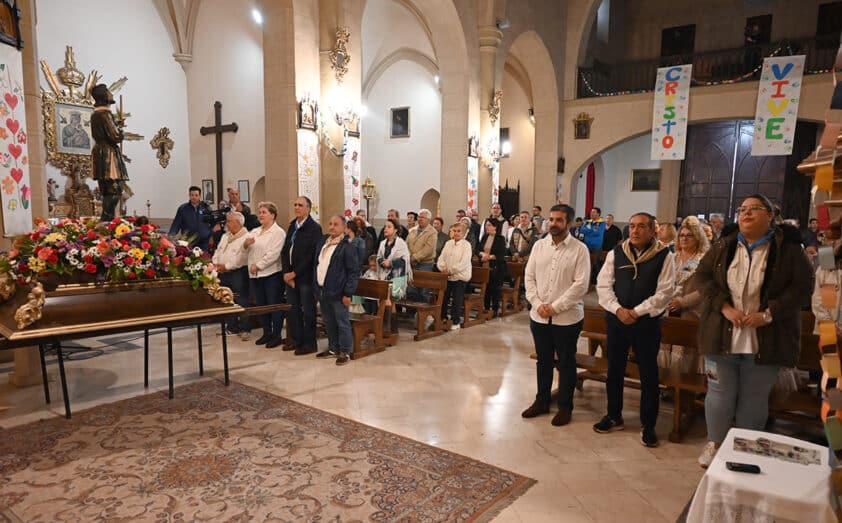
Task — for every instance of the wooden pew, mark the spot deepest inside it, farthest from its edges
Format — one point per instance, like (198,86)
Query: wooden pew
(512,294)
(475,297)
(437,283)
(363,324)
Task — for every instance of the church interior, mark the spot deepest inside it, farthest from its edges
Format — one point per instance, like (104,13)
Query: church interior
(138,387)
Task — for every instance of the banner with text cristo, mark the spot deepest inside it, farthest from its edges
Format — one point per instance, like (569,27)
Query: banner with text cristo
(777,105)
(669,114)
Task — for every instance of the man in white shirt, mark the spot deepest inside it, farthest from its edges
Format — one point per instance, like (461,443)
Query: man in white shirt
(557,276)
(455,263)
(635,286)
(231,261)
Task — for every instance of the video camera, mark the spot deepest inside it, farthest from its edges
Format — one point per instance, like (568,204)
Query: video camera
(218,216)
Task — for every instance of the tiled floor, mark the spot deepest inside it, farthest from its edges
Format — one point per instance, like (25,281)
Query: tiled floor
(463,391)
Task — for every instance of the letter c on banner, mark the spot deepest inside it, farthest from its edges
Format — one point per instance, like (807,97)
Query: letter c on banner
(673,70)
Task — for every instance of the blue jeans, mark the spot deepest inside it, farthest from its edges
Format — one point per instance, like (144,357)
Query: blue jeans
(738,393)
(238,281)
(338,325)
(302,315)
(269,290)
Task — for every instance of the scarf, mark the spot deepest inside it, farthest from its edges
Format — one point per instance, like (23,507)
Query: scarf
(766,238)
(654,248)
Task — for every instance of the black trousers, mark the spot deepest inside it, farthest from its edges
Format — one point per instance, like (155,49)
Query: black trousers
(556,341)
(302,314)
(644,336)
(455,291)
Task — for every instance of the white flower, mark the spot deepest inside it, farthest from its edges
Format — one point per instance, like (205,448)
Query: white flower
(197,251)
(182,243)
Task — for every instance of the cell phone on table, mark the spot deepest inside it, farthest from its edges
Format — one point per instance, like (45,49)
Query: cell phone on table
(742,467)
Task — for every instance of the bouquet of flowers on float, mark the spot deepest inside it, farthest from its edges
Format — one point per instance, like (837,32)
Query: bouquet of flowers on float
(87,250)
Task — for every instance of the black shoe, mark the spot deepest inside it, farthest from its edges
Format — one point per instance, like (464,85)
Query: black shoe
(607,424)
(263,340)
(301,351)
(327,354)
(562,417)
(274,342)
(343,359)
(648,437)
(536,409)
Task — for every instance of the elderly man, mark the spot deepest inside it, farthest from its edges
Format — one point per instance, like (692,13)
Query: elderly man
(297,259)
(421,242)
(716,223)
(524,237)
(634,287)
(231,261)
(237,205)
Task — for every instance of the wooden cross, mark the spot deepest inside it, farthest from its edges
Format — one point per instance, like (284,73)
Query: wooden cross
(218,129)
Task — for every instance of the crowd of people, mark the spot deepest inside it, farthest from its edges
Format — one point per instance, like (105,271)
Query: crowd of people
(745,284)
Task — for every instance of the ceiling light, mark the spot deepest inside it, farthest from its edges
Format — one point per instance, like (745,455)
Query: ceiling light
(256,16)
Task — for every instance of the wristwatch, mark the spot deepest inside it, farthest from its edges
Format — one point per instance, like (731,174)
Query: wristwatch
(767,318)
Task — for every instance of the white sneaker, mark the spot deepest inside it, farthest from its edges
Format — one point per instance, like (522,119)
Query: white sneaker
(455,327)
(708,454)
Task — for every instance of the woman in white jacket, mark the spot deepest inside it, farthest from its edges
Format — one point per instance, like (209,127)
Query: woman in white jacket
(393,264)
(264,246)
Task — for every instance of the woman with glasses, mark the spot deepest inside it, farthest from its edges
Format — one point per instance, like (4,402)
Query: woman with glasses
(754,282)
(692,246)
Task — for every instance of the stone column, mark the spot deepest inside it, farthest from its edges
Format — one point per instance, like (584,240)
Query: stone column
(338,96)
(668,194)
(489,40)
(280,105)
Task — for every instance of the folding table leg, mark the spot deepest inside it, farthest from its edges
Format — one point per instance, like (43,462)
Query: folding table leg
(63,380)
(169,357)
(225,353)
(44,373)
(145,357)
(199,338)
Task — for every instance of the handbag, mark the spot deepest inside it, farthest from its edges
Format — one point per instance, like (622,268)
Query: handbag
(398,287)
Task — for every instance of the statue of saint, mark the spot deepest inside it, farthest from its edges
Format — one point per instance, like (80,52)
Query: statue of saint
(107,165)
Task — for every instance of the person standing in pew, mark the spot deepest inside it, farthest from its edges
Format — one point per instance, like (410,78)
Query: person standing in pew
(634,287)
(491,253)
(557,276)
(336,271)
(754,283)
(455,263)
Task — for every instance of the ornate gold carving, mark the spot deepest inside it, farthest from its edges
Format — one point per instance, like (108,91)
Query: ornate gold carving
(30,312)
(220,293)
(494,106)
(582,126)
(163,144)
(339,57)
(69,75)
(7,287)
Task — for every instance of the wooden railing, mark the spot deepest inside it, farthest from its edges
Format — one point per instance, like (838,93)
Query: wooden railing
(709,68)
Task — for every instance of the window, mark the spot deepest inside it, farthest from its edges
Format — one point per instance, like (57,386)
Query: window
(505,143)
(678,40)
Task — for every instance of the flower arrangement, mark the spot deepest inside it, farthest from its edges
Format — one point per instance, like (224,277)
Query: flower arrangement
(115,251)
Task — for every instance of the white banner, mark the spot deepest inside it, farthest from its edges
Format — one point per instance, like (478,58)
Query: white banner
(473,185)
(308,169)
(351,177)
(669,114)
(14,160)
(495,183)
(777,105)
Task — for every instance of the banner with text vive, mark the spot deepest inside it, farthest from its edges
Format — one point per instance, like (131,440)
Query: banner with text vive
(669,114)
(777,105)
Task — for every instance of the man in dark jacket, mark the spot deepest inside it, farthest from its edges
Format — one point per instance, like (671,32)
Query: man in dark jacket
(297,258)
(403,232)
(336,273)
(189,219)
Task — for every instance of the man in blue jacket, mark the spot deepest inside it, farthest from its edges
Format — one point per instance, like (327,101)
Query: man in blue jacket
(189,220)
(593,232)
(336,274)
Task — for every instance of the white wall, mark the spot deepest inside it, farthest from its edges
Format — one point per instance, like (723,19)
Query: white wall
(133,43)
(388,26)
(520,165)
(227,66)
(617,198)
(402,168)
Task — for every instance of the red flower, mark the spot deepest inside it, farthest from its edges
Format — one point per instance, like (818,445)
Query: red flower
(23,267)
(145,246)
(89,259)
(165,260)
(92,235)
(178,260)
(128,260)
(53,258)
(90,268)
(126,246)
(116,221)
(132,275)
(146,228)
(150,273)
(144,236)
(111,226)
(35,236)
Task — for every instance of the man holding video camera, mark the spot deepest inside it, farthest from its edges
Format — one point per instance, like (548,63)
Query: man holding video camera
(195,220)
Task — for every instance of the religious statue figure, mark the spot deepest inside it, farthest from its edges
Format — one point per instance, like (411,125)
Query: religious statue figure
(74,135)
(107,165)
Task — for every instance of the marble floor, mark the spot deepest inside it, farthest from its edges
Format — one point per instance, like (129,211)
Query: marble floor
(463,391)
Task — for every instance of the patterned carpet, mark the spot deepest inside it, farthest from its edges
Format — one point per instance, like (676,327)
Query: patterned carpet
(236,454)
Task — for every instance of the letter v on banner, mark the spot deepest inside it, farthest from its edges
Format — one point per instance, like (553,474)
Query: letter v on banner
(669,113)
(777,105)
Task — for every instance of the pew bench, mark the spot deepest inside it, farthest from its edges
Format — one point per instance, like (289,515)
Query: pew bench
(511,295)
(475,297)
(364,325)
(437,283)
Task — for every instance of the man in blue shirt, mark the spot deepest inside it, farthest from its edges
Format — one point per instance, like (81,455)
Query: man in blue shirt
(189,220)
(593,233)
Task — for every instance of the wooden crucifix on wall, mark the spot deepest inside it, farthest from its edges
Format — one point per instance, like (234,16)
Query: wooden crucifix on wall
(218,129)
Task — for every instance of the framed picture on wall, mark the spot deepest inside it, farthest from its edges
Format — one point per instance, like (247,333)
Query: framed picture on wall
(646,180)
(243,186)
(473,147)
(399,123)
(207,191)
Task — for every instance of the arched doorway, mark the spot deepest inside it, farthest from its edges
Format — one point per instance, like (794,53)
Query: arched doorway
(430,201)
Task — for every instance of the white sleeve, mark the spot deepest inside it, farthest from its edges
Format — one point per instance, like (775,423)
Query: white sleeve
(657,303)
(605,285)
(581,280)
(529,278)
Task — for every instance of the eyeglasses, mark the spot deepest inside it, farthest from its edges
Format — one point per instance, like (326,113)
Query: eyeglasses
(298,205)
(751,209)
(685,236)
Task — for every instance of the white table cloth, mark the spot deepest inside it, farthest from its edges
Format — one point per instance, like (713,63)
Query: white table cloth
(783,492)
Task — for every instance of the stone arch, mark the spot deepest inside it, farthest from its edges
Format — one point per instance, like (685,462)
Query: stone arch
(258,193)
(430,201)
(404,53)
(531,55)
(580,17)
